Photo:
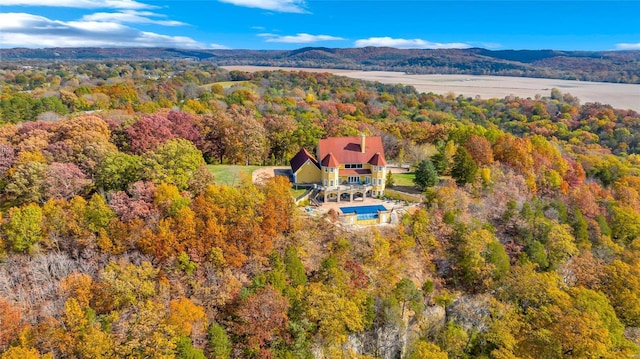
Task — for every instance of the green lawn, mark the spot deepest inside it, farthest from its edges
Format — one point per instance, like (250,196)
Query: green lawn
(297,192)
(404,179)
(231,175)
(227,84)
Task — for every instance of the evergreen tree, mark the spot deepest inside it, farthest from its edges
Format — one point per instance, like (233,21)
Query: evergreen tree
(464,167)
(219,343)
(425,175)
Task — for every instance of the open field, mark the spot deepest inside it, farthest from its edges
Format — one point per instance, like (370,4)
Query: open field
(231,175)
(227,84)
(623,96)
(404,179)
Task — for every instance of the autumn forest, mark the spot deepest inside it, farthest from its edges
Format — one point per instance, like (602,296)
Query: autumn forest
(116,240)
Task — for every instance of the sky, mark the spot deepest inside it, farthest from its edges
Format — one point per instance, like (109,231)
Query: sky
(291,24)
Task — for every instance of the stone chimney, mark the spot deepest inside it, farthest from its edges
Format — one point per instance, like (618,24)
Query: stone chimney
(362,142)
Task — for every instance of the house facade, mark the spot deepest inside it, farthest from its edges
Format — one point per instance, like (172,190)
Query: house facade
(344,166)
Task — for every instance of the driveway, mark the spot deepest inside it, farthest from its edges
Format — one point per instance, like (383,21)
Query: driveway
(264,173)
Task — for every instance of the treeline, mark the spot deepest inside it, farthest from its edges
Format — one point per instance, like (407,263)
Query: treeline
(322,104)
(601,66)
(115,241)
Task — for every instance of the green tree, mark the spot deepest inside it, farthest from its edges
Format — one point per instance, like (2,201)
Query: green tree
(390,181)
(117,170)
(294,267)
(497,256)
(538,255)
(98,214)
(24,228)
(185,349)
(625,225)
(407,294)
(425,175)
(174,162)
(480,258)
(464,167)
(580,229)
(454,339)
(219,343)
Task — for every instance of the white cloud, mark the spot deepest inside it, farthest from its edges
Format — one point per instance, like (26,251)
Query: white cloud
(408,43)
(294,6)
(301,38)
(131,16)
(27,30)
(628,46)
(82,4)
(218,47)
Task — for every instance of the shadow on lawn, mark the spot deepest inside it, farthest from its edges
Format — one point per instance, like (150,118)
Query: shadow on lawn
(407,189)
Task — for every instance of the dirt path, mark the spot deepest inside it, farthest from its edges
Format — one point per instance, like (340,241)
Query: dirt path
(264,173)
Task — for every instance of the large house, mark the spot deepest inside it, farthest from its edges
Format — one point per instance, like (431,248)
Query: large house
(345,166)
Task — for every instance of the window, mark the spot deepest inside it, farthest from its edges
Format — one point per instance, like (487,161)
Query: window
(353,165)
(379,182)
(325,183)
(354,179)
(332,169)
(331,183)
(367,180)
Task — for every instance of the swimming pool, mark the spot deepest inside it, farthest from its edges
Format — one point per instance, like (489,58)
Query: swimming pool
(364,212)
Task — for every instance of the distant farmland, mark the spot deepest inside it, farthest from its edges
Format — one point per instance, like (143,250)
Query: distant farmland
(622,96)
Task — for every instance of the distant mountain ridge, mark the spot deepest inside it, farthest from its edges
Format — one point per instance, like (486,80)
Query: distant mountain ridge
(607,66)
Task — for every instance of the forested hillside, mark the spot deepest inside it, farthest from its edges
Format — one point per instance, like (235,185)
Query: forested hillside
(605,66)
(115,241)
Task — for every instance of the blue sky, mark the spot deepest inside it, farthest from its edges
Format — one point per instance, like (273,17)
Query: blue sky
(290,24)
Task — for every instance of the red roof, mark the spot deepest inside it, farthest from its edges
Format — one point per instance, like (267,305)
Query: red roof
(301,158)
(354,172)
(348,150)
(330,161)
(378,160)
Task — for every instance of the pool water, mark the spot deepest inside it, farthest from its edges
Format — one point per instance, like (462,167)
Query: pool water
(364,212)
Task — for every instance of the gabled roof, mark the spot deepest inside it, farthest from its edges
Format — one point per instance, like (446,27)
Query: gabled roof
(330,161)
(348,150)
(378,160)
(301,158)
